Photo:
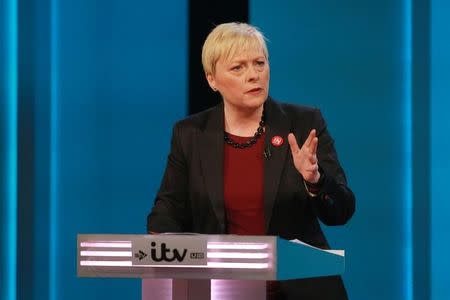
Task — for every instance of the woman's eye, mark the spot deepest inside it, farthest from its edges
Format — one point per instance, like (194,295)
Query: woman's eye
(260,63)
(236,68)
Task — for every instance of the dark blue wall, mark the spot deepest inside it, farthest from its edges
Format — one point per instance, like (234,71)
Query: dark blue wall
(348,59)
(100,85)
(440,147)
(120,83)
(366,65)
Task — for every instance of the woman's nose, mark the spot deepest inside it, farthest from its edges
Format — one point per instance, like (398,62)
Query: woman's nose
(252,74)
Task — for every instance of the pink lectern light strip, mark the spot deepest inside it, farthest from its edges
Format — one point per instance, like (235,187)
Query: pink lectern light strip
(105,263)
(214,265)
(106,253)
(237,246)
(237,255)
(106,244)
(238,265)
(220,265)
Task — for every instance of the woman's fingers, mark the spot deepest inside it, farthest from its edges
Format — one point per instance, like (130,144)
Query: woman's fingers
(311,136)
(293,143)
(305,158)
(312,150)
(313,145)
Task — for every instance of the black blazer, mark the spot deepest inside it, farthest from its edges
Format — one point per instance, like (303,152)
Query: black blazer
(191,198)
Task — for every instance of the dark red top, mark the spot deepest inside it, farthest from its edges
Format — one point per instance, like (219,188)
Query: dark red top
(244,193)
(244,187)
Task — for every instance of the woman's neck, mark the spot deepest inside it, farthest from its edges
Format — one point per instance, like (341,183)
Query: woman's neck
(242,122)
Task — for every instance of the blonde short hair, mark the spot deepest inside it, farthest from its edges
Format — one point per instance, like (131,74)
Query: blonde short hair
(226,39)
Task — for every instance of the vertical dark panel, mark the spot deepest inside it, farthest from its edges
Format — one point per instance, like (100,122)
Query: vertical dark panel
(33,149)
(421,147)
(203,17)
(41,163)
(25,194)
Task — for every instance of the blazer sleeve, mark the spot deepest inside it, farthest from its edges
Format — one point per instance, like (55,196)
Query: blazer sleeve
(170,212)
(335,202)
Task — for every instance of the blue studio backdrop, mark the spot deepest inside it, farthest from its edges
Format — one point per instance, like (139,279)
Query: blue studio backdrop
(99,86)
(90,90)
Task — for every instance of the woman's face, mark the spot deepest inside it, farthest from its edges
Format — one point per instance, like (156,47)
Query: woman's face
(242,80)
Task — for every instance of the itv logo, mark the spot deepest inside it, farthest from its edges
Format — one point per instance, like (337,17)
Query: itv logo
(170,250)
(162,253)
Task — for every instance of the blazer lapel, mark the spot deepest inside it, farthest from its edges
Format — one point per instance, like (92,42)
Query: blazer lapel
(211,144)
(277,124)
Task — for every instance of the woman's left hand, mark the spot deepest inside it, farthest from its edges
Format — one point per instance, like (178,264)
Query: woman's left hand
(305,158)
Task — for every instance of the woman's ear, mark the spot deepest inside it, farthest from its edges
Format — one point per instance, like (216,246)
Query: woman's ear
(211,81)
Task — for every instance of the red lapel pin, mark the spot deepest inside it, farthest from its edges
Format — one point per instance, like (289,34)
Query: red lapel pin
(277,141)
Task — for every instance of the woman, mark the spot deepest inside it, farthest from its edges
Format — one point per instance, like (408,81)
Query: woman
(252,165)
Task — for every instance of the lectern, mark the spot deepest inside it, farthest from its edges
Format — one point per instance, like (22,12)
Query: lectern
(200,267)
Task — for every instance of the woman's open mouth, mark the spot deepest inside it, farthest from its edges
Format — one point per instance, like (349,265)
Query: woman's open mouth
(254,91)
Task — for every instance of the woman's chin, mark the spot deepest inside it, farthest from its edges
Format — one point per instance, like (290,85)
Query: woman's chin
(256,102)
(248,103)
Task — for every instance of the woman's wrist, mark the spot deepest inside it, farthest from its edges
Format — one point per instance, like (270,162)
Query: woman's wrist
(313,189)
